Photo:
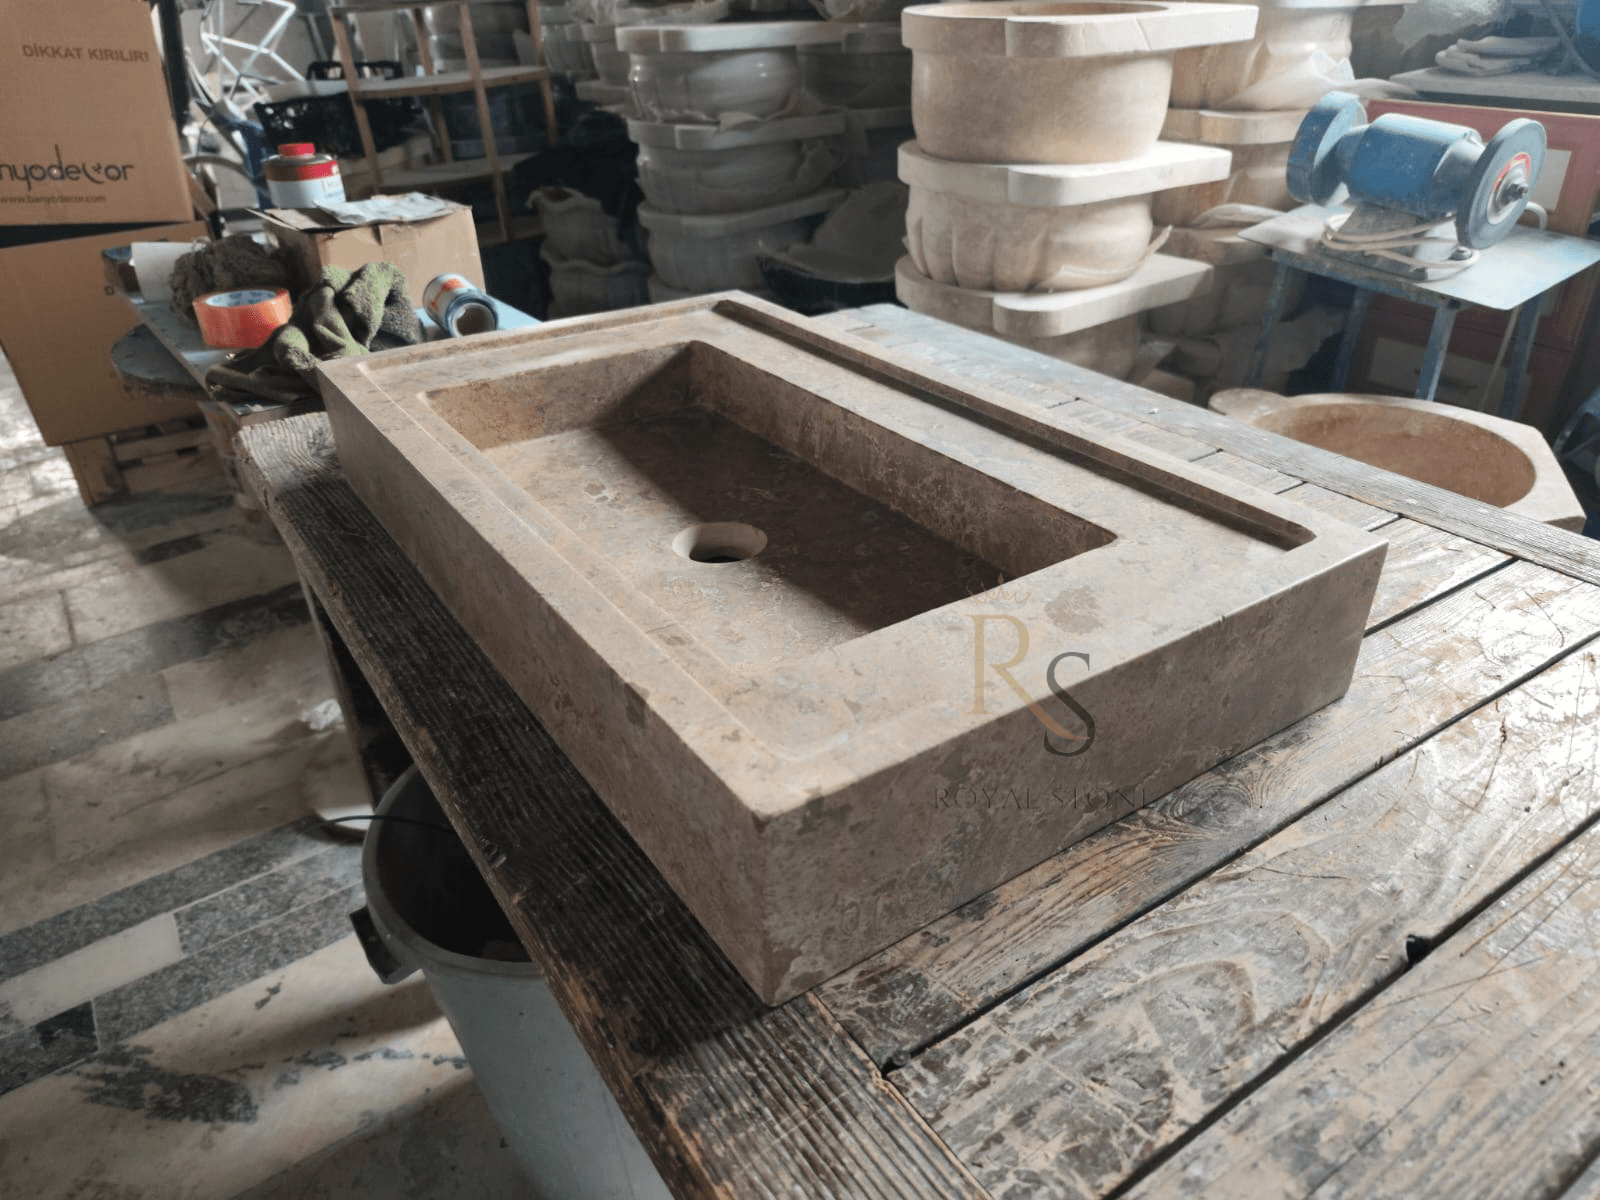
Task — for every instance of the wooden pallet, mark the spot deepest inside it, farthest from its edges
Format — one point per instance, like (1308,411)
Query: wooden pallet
(143,459)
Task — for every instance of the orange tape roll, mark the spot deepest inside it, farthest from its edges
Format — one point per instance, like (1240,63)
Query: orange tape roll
(243,319)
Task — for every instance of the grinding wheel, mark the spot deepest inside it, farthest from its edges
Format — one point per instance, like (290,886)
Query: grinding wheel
(1315,173)
(1501,183)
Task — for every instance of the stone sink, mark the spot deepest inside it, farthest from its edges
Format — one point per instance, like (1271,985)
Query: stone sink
(1485,458)
(841,644)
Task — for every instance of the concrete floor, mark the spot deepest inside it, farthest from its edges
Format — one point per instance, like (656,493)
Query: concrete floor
(184,1011)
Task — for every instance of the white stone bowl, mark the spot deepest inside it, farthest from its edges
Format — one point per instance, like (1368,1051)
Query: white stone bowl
(701,169)
(725,181)
(702,72)
(715,253)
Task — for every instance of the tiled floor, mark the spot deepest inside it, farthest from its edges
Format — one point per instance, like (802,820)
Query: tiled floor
(184,1011)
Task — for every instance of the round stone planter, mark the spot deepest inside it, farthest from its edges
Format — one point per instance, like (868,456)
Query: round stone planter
(697,254)
(698,73)
(1053,82)
(700,169)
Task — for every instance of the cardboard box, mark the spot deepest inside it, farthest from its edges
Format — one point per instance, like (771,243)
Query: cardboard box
(422,249)
(89,135)
(57,328)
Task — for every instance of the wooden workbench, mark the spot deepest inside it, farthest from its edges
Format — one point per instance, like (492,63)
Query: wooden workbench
(1358,959)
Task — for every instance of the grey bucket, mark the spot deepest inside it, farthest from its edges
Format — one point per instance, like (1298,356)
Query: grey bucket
(428,909)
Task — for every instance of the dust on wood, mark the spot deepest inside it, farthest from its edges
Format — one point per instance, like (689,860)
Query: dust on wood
(1474,1074)
(1073,1085)
(1413,676)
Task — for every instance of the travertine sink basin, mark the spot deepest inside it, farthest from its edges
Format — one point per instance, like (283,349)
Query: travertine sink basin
(740,568)
(1481,457)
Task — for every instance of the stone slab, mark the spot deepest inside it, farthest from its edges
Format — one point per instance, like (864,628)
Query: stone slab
(739,566)
(1161,280)
(1051,185)
(1029,30)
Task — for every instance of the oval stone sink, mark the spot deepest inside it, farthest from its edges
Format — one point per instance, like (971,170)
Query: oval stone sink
(1484,458)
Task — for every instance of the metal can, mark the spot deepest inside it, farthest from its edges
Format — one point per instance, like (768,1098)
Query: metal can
(298,177)
(458,307)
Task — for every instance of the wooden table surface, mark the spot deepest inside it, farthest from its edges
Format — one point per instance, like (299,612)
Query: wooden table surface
(1358,959)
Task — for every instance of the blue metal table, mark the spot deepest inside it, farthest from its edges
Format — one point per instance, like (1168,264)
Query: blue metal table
(1515,274)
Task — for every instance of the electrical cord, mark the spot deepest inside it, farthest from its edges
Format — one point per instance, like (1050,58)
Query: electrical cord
(1384,245)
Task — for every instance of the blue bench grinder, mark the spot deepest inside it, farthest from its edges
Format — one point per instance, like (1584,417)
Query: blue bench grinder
(1408,177)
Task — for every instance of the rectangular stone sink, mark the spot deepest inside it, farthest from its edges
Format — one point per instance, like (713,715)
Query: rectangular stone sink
(749,574)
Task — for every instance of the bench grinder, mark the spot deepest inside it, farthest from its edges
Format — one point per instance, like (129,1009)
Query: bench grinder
(1408,178)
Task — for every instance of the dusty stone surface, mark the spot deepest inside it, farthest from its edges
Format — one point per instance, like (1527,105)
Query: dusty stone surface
(737,565)
(1483,457)
(1052,83)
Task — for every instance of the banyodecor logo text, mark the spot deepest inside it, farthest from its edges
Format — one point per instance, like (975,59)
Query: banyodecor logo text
(28,174)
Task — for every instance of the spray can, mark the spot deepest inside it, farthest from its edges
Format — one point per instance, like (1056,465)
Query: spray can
(298,177)
(458,307)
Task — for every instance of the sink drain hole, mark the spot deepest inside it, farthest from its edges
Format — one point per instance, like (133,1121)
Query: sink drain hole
(720,542)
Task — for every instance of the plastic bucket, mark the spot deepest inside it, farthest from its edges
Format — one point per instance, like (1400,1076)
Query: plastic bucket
(431,911)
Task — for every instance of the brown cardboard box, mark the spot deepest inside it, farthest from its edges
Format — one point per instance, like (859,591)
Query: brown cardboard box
(57,327)
(89,136)
(422,249)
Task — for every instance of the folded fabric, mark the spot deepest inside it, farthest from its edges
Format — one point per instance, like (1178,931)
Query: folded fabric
(1462,62)
(1499,55)
(345,314)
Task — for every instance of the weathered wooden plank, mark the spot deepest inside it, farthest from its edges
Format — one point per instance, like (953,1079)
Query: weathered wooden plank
(1412,677)
(1071,1087)
(95,469)
(1474,1075)
(1423,564)
(967,355)
(1138,426)
(1364,516)
(1168,441)
(140,449)
(1225,463)
(730,1098)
